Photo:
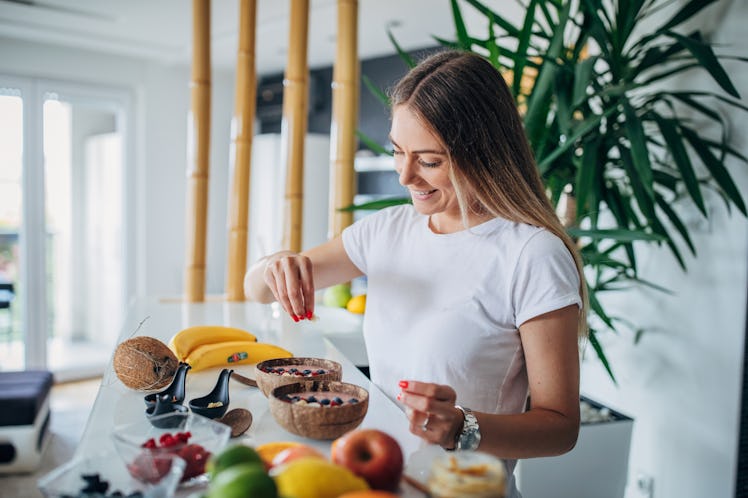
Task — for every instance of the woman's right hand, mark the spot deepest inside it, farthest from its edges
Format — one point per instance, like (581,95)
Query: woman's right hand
(289,277)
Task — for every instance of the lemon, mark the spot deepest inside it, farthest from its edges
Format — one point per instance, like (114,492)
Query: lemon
(316,478)
(357,304)
(230,456)
(244,480)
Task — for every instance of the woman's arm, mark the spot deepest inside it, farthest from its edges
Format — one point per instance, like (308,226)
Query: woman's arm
(549,427)
(291,278)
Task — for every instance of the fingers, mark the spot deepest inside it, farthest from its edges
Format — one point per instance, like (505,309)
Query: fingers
(289,278)
(431,411)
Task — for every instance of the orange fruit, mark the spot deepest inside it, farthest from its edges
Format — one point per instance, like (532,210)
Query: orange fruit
(268,451)
(294,453)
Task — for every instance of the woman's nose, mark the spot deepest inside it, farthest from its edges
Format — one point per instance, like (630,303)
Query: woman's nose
(406,170)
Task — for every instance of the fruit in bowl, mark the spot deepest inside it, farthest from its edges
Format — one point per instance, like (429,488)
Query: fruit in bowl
(100,475)
(270,374)
(189,436)
(319,409)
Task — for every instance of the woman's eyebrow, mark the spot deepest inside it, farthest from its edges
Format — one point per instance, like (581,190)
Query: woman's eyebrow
(422,151)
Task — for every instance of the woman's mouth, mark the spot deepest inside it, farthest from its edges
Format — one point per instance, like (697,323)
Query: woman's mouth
(422,195)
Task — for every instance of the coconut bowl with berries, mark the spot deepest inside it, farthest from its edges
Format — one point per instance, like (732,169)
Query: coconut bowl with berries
(278,372)
(319,409)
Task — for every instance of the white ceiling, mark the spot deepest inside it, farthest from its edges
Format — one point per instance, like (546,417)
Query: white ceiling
(161,29)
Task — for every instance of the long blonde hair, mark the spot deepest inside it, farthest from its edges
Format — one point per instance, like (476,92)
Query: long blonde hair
(466,103)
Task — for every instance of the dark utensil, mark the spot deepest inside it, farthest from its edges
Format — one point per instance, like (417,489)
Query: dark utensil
(175,391)
(218,397)
(162,406)
(239,419)
(244,380)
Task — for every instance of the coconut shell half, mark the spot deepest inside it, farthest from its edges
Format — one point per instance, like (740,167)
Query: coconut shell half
(144,363)
(317,422)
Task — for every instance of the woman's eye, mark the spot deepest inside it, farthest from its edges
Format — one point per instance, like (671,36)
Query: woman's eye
(428,164)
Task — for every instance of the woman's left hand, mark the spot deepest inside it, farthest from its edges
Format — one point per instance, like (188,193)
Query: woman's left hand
(430,408)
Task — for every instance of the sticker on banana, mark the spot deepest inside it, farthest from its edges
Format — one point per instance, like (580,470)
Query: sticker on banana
(227,354)
(184,342)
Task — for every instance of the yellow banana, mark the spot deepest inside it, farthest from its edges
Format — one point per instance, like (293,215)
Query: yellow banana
(187,340)
(228,354)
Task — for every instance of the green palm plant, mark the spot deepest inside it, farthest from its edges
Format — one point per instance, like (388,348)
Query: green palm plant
(610,134)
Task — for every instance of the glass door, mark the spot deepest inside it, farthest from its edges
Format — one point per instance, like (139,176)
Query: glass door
(68,219)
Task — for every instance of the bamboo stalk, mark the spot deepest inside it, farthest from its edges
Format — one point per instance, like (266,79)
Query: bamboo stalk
(198,149)
(294,126)
(241,142)
(345,88)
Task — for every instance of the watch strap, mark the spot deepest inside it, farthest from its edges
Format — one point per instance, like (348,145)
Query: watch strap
(469,438)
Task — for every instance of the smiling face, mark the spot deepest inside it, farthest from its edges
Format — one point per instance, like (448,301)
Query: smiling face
(423,165)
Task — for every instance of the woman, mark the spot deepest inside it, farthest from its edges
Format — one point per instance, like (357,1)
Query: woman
(474,293)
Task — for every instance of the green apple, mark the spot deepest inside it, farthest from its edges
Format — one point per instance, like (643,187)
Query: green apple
(337,296)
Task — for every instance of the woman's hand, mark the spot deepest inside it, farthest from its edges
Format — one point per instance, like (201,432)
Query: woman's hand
(431,411)
(289,277)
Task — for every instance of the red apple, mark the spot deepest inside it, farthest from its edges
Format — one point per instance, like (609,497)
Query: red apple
(371,454)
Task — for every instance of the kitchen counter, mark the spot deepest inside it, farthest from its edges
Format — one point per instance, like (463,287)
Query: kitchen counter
(116,404)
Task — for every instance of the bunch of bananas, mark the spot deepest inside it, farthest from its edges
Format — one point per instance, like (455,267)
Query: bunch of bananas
(207,346)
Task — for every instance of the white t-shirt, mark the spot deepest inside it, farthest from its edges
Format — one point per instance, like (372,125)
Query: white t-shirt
(446,308)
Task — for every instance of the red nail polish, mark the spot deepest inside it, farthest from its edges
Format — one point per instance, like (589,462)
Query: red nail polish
(403,384)
(309,315)
(295,318)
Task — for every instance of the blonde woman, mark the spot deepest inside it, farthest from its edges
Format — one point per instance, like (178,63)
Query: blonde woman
(475,295)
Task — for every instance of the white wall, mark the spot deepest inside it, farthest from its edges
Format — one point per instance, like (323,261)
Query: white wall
(156,158)
(682,382)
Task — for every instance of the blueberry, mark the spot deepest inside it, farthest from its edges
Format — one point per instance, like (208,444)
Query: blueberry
(320,371)
(311,399)
(306,372)
(337,400)
(353,400)
(324,401)
(293,370)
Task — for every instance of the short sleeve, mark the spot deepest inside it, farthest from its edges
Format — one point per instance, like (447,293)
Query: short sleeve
(545,278)
(368,234)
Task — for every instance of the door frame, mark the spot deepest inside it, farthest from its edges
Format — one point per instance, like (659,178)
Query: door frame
(32,240)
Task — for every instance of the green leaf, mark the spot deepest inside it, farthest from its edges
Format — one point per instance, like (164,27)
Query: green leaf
(705,55)
(675,221)
(689,10)
(462,35)
(375,205)
(644,197)
(405,56)
(639,151)
(523,42)
(680,156)
(585,180)
(601,354)
(500,21)
(582,76)
(715,166)
(581,129)
(372,145)
(376,91)
(540,99)
(621,235)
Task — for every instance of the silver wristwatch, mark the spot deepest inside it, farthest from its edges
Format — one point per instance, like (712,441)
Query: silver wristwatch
(469,438)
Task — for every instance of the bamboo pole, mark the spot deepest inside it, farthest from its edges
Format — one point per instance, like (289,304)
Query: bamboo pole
(198,148)
(241,150)
(294,126)
(345,89)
